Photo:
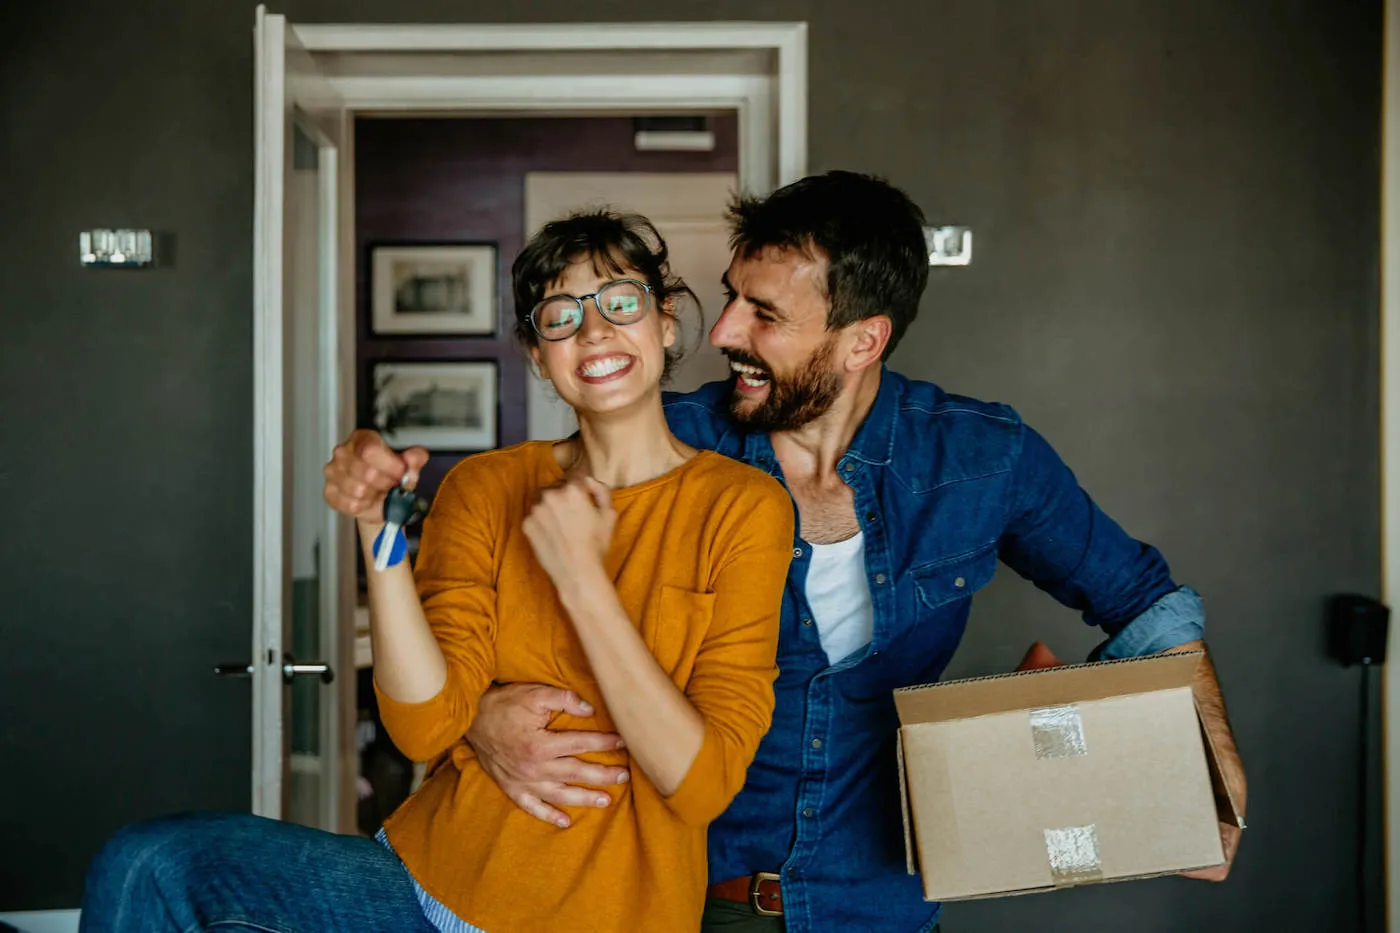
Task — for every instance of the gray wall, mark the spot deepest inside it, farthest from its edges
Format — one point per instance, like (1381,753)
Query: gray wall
(1175,204)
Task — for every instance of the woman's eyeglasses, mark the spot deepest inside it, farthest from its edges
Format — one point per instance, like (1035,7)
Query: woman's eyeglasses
(559,317)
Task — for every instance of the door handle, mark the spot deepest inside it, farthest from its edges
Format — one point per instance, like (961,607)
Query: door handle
(291,670)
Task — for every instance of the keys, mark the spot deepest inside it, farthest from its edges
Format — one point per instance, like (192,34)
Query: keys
(399,507)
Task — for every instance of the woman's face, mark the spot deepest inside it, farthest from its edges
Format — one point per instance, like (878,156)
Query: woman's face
(604,367)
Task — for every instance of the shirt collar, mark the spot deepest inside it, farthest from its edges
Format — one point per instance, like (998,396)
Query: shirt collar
(874,440)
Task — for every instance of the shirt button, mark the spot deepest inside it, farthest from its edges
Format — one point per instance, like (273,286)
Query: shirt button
(792,872)
(808,812)
(807,621)
(960,583)
(848,466)
(870,516)
(797,552)
(880,579)
(816,743)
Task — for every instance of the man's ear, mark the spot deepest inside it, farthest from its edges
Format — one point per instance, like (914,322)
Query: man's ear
(869,339)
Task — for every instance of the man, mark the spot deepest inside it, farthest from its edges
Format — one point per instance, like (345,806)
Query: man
(906,499)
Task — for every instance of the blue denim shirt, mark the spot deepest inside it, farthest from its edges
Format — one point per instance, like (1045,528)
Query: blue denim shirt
(944,487)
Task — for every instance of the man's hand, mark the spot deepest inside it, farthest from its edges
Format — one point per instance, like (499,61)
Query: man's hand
(533,764)
(363,469)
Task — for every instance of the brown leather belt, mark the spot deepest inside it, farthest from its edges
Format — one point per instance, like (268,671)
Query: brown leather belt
(761,891)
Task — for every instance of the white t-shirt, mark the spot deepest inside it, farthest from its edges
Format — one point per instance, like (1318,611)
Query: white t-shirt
(840,597)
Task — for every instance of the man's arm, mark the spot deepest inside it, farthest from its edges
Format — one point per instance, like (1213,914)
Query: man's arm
(535,765)
(1060,540)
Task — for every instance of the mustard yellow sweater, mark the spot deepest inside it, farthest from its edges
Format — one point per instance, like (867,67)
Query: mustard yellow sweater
(699,558)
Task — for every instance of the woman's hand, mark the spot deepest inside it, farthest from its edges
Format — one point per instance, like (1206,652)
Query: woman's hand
(363,469)
(570,530)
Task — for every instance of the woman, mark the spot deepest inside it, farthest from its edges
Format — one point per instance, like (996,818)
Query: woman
(620,563)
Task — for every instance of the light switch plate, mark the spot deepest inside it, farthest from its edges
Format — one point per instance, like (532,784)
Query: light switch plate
(115,248)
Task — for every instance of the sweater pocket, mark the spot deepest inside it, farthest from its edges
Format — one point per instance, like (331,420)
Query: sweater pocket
(677,628)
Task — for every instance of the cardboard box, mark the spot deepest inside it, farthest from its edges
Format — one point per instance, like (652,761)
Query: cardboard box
(1072,775)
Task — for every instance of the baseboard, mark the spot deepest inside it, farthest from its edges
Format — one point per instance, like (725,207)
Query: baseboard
(43,921)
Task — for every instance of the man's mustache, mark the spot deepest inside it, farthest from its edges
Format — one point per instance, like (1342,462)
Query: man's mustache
(739,356)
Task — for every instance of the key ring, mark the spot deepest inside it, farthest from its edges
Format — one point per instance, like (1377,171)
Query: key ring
(391,545)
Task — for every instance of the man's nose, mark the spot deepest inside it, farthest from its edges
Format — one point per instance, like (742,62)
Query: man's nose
(727,329)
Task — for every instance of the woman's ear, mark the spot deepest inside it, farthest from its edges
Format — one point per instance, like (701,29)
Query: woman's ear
(538,360)
(668,323)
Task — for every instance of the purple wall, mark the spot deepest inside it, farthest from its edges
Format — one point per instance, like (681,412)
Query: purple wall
(463,181)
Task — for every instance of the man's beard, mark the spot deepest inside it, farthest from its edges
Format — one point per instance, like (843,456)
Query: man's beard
(791,401)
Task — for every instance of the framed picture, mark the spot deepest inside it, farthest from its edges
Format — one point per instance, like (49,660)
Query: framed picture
(441,406)
(433,289)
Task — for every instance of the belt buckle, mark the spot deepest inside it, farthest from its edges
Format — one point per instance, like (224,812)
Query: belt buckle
(755,897)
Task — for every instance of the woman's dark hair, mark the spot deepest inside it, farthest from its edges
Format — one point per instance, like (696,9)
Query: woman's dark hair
(870,232)
(618,244)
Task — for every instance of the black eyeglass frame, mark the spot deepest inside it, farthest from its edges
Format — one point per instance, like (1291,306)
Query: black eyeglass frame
(535,324)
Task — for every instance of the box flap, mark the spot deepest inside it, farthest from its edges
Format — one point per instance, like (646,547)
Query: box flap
(904,805)
(1073,683)
(1226,807)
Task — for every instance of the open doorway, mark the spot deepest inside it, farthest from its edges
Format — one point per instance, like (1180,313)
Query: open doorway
(383,84)
(440,203)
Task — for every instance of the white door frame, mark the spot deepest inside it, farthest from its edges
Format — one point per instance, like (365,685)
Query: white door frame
(773,150)
(270,605)
(787,41)
(288,91)
(1390,447)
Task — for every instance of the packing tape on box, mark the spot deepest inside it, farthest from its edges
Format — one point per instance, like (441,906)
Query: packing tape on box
(1057,732)
(1073,852)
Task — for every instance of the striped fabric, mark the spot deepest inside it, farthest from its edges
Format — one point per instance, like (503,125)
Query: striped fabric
(439,916)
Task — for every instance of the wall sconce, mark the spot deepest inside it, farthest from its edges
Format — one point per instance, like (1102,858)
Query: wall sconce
(126,249)
(949,246)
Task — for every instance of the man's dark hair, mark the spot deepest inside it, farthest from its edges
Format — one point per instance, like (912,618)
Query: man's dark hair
(870,232)
(616,243)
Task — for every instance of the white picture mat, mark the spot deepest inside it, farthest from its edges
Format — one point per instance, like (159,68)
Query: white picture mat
(479,261)
(480,378)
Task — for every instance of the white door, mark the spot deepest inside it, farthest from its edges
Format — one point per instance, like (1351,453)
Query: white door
(688,211)
(302,663)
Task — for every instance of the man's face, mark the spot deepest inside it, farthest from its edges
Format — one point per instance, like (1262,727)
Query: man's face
(773,329)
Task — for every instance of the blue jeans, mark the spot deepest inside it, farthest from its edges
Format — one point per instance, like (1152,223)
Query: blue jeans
(242,872)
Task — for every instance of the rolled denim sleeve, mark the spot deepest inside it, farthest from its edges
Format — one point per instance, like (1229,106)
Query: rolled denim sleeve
(1175,619)
(1056,537)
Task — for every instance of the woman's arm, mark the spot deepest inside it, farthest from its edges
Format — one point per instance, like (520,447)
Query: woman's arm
(728,703)
(434,647)
(455,587)
(662,728)
(408,664)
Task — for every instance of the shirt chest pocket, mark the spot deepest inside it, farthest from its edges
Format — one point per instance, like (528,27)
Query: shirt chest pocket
(943,582)
(676,628)
(673,627)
